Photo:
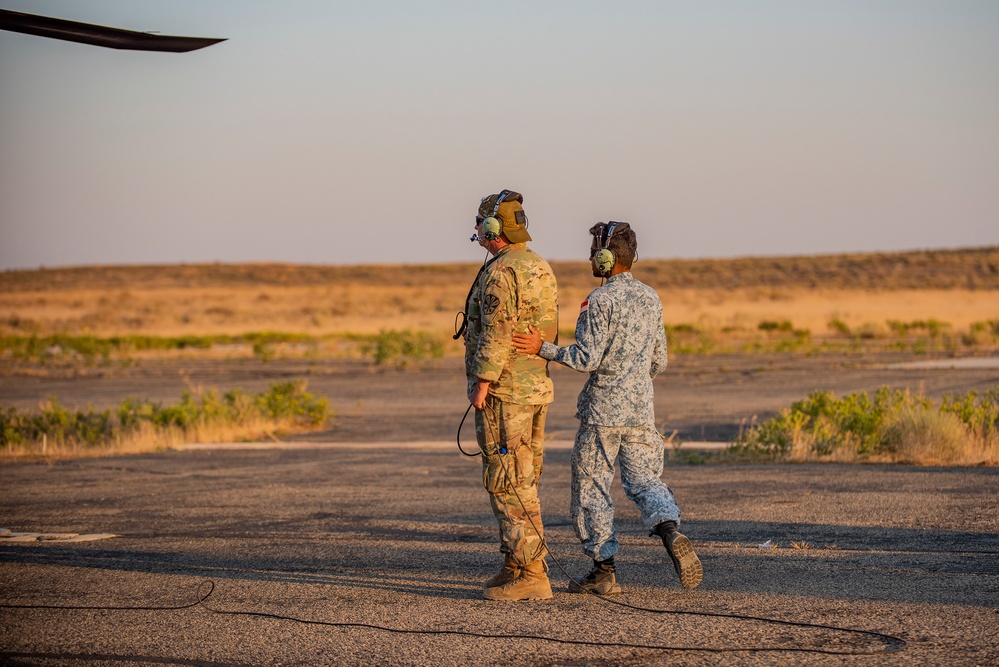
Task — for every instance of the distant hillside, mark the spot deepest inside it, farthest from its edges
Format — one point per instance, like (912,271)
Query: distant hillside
(971,268)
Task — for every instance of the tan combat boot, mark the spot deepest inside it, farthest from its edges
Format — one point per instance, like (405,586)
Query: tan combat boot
(532,584)
(510,571)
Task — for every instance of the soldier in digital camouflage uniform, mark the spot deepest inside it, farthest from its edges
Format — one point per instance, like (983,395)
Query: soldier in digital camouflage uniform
(511,391)
(621,342)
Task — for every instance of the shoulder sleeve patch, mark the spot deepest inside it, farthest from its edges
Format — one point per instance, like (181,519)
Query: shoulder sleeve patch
(489,304)
(585,306)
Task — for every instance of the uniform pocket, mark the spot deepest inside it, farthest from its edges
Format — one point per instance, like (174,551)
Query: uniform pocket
(495,470)
(585,450)
(502,472)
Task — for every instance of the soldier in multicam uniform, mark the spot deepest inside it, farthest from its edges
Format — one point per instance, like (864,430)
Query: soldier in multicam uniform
(621,342)
(511,391)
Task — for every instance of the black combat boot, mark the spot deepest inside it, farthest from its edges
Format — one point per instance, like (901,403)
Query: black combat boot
(681,552)
(601,580)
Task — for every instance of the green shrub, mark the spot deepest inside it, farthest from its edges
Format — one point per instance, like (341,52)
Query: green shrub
(55,423)
(978,413)
(822,425)
(894,424)
(263,351)
(402,348)
(285,404)
(839,326)
(684,339)
(773,439)
(90,348)
(771,325)
(289,400)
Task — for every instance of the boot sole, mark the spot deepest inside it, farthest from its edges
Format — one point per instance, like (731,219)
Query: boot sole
(500,595)
(596,590)
(490,595)
(685,562)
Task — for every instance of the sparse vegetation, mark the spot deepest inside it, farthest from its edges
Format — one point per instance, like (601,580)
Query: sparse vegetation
(61,322)
(840,300)
(969,268)
(917,336)
(893,426)
(402,348)
(91,348)
(142,425)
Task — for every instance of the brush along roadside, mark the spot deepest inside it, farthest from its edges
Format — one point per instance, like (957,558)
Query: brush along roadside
(892,426)
(138,425)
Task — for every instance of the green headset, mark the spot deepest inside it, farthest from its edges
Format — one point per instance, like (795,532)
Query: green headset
(492,227)
(604,259)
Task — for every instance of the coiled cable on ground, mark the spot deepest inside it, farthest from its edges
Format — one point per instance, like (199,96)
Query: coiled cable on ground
(892,642)
(207,588)
(204,594)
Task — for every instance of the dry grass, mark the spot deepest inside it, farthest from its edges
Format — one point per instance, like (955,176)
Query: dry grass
(147,438)
(973,268)
(924,437)
(718,297)
(892,426)
(815,309)
(354,308)
(369,309)
(920,437)
(202,415)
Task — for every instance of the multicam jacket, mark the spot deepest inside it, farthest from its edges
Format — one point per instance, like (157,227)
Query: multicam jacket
(621,341)
(516,289)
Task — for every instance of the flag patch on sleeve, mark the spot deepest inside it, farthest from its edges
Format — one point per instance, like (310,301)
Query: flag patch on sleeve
(583,307)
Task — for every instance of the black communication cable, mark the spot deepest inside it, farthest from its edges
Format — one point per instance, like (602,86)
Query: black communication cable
(459,329)
(457,437)
(893,642)
(202,599)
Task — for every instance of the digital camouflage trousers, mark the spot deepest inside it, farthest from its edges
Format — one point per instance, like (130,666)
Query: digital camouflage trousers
(512,478)
(640,452)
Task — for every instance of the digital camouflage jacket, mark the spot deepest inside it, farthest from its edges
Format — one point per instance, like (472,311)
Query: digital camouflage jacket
(621,342)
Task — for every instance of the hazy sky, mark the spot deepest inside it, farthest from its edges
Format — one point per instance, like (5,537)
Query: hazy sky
(363,131)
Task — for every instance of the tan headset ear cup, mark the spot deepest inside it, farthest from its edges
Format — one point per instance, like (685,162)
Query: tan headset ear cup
(492,228)
(604,261)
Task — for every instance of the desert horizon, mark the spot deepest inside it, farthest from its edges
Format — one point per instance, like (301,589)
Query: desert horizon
(821,294)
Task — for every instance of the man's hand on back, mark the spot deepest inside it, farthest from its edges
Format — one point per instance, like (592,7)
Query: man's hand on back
(529,342)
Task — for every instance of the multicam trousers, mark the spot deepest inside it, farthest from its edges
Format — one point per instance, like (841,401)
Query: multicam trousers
(640,450)
(512,478)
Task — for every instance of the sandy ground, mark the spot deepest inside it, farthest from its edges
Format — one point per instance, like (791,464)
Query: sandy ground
(400,536)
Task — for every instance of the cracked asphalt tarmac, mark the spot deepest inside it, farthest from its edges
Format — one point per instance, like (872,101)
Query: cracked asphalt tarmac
(346,539)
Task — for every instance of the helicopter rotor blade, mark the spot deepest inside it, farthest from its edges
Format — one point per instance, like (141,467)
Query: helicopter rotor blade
(98,35)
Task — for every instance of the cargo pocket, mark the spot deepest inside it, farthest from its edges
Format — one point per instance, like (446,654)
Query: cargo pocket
(585,451)
(518,472)
(493,475)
